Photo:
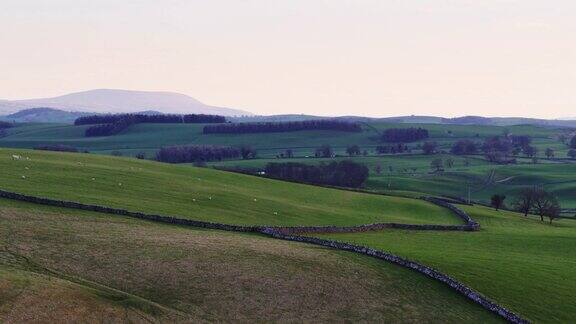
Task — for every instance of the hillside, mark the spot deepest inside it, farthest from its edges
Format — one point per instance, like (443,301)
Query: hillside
(202,194)
(508,246)
(82,266)
(116,101)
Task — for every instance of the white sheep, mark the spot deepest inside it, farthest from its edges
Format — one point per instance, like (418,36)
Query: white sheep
(23,177)
(16,157)
(275,213)
(120,183)
(255,199)
(93,179)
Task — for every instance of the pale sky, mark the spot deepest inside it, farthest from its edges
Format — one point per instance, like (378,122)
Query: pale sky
(324,57)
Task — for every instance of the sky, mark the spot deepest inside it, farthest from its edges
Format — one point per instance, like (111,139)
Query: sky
(324,57)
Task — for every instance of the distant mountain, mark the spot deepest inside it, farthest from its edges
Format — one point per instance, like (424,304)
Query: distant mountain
(121,101)
(44,115)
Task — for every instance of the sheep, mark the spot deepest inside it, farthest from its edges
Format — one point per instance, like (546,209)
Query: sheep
(210,198)
(120,183)
(275,213)
(23,177)
(255,199)
(93,179)
(16,157)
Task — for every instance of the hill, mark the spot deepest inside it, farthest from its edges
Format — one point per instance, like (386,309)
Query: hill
(84,266)
(116,101)
(494,261)
(44,115)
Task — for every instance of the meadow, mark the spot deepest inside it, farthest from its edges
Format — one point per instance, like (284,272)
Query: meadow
(495,261)
(60,264)
(524,264)
(201,193)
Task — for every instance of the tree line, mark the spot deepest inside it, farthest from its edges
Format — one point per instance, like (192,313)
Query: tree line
(343,173)
(107,125)
(4,124)
(275,127)
(203,153)
(57,148)
(143,118)
(532,200)
(404,135)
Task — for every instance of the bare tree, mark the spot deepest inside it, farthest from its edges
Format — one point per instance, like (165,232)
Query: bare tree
(525,201)
(497,201)
(546,205)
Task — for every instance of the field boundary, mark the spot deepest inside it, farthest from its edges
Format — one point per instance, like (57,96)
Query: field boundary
(283,233)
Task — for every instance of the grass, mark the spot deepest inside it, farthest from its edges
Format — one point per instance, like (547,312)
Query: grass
(523,264)
(185,191)
(413,173)
(168,273)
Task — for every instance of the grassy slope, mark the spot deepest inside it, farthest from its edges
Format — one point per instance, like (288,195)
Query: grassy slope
(182,274)
(185,191)
(412,173)
(523,264)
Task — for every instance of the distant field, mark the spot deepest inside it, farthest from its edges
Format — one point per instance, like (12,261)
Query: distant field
(202,194)
(60,264)
(150,137)
(413,173)
(522,263)
(400,173)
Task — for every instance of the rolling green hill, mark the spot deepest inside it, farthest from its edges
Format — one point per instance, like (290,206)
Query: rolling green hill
(524,264)
(495,261)
(61,264)
(201,194)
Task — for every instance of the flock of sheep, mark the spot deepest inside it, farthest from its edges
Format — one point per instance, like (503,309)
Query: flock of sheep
(17,157)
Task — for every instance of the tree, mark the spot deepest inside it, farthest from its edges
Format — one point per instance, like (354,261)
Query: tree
(546,205)
(463,147)
(353,150)
(289,154)
(378,169)
(365,152)
(549,153)
(247,152)
(450,162)
(525,201)
(141,155)
(497,201)
(437,164)
(429,147)
(324,151)
(572,153)
(573,142)
(529,151)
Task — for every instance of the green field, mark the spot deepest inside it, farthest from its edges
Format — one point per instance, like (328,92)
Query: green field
(525,265)
(413,173)
(150,137)
(67,265)
(400,173)
(202,194)
(522,263)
